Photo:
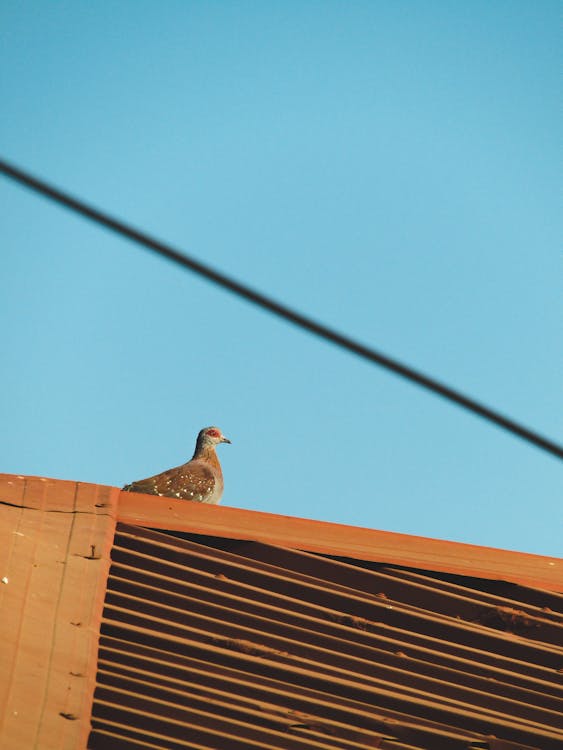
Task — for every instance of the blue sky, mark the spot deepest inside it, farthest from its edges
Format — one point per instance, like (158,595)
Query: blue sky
(389,168)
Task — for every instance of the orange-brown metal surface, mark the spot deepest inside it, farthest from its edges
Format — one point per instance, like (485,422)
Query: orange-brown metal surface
(343,541)
(215,643)
(353,542)
(55,547)
(262,631)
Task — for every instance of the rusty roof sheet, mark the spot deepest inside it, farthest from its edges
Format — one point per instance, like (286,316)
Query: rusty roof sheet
(227,644)
(343,541)
(54,561)
(240,629)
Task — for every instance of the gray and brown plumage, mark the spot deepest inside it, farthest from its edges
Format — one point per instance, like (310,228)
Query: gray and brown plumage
(200,479)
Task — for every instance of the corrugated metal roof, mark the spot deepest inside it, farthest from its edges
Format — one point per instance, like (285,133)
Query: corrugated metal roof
(250,630)
(216,643)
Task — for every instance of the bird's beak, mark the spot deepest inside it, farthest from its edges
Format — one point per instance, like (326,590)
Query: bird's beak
(225,440)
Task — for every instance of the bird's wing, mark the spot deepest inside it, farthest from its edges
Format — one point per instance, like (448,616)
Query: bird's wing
(192,481)
(195,480)
(152,485)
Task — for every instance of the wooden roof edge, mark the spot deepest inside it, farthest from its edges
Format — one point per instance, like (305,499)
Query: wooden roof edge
(322,537)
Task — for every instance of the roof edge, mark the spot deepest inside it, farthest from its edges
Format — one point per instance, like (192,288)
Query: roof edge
(55,561)
(323,537)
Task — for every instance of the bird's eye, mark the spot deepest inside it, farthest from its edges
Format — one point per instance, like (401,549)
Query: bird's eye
(213,433)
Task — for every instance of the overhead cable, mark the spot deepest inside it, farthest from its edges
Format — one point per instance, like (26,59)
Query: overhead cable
(281,310)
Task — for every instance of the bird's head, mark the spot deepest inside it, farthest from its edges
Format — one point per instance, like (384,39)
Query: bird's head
(211,436)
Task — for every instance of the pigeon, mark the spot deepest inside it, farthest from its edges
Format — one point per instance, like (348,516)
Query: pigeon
(200,479)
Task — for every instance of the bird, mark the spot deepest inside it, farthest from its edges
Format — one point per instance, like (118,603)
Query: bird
(199,480)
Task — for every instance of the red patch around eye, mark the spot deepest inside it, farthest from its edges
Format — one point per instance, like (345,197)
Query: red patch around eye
(213,433)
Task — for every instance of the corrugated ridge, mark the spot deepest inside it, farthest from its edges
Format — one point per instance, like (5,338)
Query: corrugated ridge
(300,643)
(114,735)
(256,689)
(252,720)
(246,674)
(292,696)
(538,623)
(262,712)
(524,594)
(416,699)
(383,702)
(385,652)
(355,573)
(250,690)
(214,716)
(547,602)
(366,606)
(284,649)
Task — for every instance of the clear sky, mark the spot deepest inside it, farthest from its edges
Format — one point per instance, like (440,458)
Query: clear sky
(389,168)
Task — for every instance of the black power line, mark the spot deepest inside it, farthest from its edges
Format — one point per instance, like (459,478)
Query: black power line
(281,310)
